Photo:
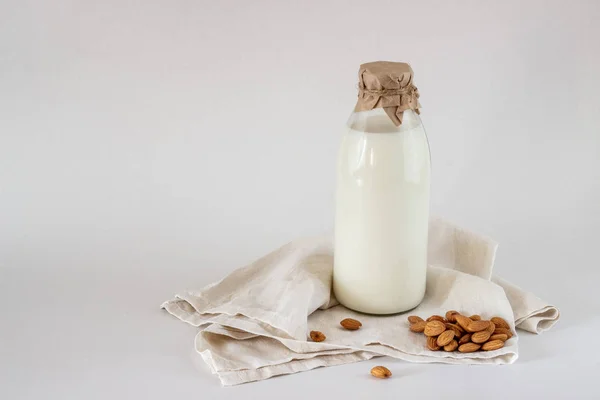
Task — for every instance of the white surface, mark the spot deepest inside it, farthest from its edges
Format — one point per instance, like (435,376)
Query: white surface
(103,339)
(135,139)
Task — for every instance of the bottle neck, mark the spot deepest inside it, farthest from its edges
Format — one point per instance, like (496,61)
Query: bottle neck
(377,121)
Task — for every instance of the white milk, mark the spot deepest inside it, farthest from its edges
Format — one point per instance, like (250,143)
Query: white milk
(382,214)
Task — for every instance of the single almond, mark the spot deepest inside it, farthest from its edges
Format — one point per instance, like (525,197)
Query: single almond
(450,316)
(458,331)
(432,344)
(434,328)
(480,337)
(477,326)
(475,317)
(469,347)
(445,338)
(381,372)
(418,326)
(491,328)
(499,336)
(435,318)
(505,331)
(317,336)
(413,319)
(350,324)
(453,345)
(500,323)
(462,320)
(460,328)
(492,345)
(465,339)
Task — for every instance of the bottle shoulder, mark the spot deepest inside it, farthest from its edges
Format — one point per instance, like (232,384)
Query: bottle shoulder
(377,121)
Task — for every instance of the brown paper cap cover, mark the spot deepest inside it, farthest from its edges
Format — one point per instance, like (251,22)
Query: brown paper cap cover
(387,85)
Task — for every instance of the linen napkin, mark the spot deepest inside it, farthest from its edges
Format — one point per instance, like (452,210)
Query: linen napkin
(255,322)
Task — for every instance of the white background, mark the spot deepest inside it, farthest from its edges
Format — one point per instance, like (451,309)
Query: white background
(149,146)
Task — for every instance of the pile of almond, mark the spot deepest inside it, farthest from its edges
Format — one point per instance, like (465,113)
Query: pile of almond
(458,332)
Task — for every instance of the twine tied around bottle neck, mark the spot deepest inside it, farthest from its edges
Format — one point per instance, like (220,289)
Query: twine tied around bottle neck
(386,92)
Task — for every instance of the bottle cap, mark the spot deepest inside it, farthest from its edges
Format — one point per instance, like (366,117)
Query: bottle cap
(387,85)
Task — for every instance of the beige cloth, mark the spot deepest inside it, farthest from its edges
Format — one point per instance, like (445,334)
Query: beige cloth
(254,323)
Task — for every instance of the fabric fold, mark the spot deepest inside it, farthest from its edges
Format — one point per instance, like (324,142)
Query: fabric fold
(254,323)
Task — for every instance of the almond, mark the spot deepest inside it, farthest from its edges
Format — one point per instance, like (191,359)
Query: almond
(492,345)
(455,332)
(465,339)
(445,338)
(317,336)
(505,331)
(491,328)
(434,328)
(500,323)
(453,345)
(450,316)
(458,331)
(462,321)
(480,337)
(499,336)
(350,324)
(469,347)
(381,372)
(432,344)
(477,326)
(435,318)
(418,326)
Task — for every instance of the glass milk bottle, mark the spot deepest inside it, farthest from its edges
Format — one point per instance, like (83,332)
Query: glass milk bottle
(382,196)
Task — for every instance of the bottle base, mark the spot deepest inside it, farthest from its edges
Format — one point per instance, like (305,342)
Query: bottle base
(375,311)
